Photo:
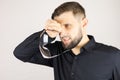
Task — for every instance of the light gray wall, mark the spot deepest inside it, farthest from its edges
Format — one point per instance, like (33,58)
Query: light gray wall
(20,18)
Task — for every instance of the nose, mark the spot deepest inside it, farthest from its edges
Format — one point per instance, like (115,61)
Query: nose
(63,31)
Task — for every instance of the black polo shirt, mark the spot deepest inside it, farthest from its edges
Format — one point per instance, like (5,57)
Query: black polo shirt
(96,61)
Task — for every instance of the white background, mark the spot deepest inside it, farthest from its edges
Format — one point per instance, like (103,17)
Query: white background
(21,18)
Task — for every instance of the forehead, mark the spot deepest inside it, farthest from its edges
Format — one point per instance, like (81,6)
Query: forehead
(65,16)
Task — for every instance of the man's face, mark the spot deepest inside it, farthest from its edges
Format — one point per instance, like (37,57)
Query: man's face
(71,33)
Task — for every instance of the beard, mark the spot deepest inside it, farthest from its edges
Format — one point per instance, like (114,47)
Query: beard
(74,42)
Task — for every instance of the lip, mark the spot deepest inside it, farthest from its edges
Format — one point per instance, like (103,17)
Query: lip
(66,40)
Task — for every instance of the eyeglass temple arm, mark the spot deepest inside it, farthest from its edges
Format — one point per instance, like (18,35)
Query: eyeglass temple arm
(44,33)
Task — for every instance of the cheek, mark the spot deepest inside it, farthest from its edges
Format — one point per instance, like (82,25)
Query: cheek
(77,32)
(74,33)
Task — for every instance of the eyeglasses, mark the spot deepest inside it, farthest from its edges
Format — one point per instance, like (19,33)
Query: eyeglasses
(44,50)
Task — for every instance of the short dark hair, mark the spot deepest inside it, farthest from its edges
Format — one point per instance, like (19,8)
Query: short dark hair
(75,7)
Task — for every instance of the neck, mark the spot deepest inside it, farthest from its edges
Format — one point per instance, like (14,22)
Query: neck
(83,42)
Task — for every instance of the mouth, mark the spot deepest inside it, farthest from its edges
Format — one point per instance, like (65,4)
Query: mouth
(66,40)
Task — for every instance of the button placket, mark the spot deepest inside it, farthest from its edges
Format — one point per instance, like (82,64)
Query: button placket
(72,74)
(74,67)
(75,58)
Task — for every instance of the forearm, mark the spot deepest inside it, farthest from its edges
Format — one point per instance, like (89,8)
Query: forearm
(28,50)
(28,47)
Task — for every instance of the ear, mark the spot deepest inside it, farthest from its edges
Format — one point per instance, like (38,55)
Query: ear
(84,22)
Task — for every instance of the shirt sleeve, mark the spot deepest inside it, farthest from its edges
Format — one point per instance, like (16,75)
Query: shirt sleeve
(116,75)
(28,51)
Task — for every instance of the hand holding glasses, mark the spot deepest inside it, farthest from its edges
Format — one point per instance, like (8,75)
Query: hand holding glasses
(44,50)
(52,28)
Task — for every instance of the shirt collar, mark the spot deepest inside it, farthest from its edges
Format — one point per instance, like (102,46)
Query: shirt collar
(90,44)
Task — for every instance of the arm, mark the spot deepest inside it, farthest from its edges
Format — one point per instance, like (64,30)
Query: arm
(28,51)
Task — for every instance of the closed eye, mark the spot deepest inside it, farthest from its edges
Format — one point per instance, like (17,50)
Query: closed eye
(67,26)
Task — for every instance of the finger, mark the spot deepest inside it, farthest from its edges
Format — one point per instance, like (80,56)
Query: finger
(53,26)
(52,34)
(51,21)
(52,31)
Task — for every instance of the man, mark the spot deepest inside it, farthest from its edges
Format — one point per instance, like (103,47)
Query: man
(85,59)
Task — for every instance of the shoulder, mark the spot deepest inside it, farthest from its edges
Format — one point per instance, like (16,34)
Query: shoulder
(107,53)
(107,48)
